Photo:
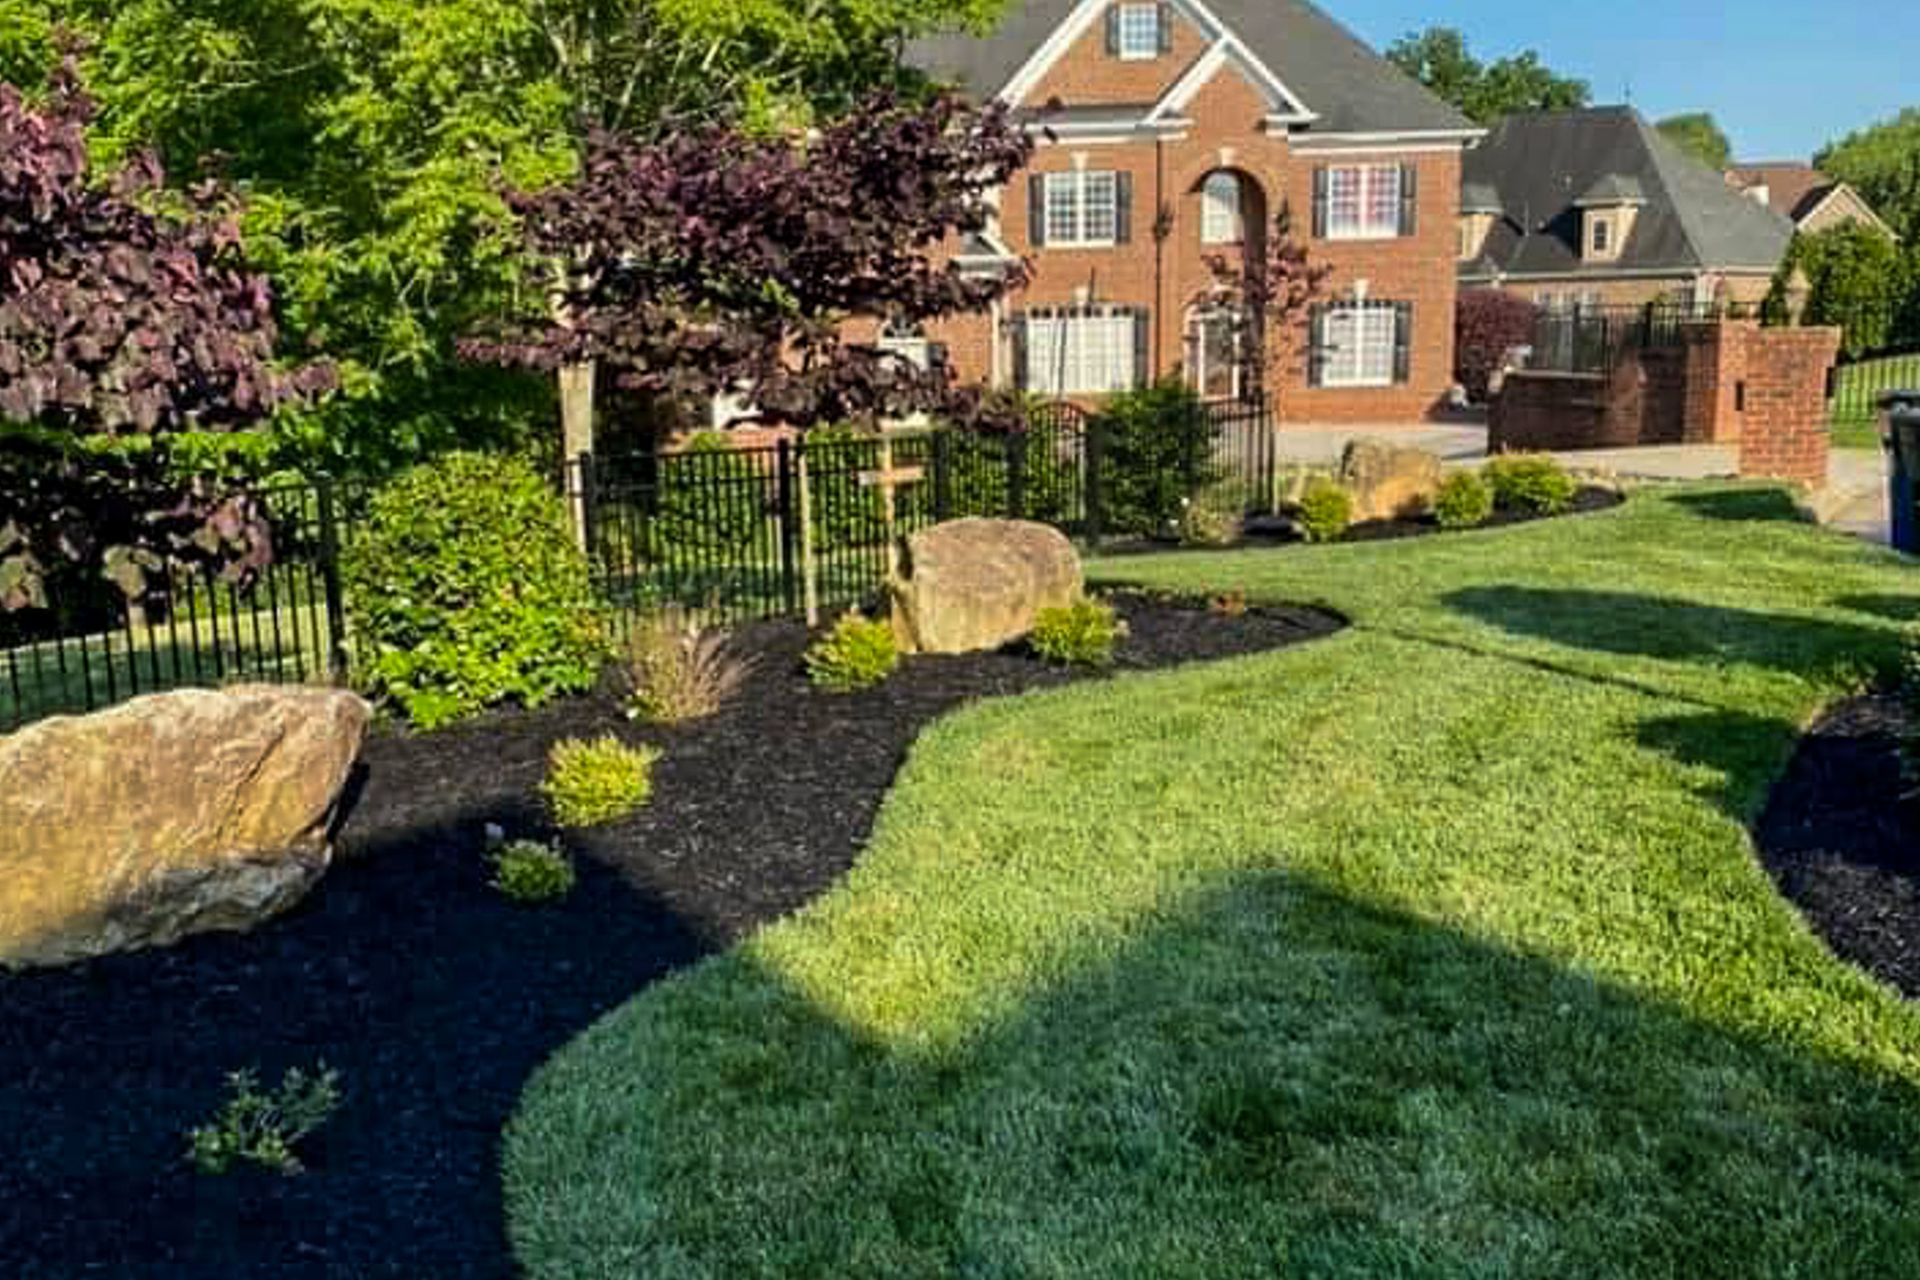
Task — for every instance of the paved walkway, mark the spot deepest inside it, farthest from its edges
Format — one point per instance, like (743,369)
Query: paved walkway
(1854,500)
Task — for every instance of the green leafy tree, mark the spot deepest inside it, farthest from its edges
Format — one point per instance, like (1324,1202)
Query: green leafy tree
(374,140)
(1699,135)
(1856,280)
(1882,163)
(1440,59)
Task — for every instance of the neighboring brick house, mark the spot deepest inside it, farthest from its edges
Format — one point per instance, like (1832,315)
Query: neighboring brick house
(1169,132)
(1805,196)
(1594,207)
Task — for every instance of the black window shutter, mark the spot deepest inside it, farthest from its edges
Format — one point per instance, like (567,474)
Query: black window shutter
(1019,328)
(1113,30)
(1320,196)
(1402,342)
(1142,346)
(1122,208)
(1037,210)
(1166,28)
(1317,345)
(1409,199)
(938,355)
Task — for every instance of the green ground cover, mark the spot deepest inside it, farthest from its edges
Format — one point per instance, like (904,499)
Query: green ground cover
(1437,948)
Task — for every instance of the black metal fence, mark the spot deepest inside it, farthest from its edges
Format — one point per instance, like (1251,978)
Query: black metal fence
(91,648)
(1859,383)
(1592,339)
(738,533)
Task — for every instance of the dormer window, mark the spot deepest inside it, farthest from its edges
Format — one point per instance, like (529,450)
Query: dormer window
(1137,32)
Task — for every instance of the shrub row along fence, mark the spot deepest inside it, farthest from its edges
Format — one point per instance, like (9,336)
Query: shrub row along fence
(737,533)
(1592,339)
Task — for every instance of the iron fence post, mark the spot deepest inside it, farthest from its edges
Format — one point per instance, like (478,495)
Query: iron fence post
(1016,445)
(788,514)
(1092,447)
(942,476)
(330,583)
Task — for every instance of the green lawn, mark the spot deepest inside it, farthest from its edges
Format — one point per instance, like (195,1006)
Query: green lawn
(1857,392)
(1434,949)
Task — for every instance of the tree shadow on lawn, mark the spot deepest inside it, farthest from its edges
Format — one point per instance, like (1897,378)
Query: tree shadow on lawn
(1745,753)
(1901,608)
(1275,1080)
(433,996)
(1680,630)
(1758,502)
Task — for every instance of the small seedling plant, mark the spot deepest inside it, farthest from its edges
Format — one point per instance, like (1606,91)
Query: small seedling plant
(264,1128)
(530,872)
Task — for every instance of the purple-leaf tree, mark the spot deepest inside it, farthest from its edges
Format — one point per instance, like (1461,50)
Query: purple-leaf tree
(1269,289)
(124,331)
(719,261)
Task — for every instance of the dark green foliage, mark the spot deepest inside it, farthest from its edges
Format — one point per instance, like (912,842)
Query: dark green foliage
(1083,634)
(1463,501)
(1156,449)
(465,589)
(593,781)
(1699,135)
(1439,59)
(845,512)
(263,1128)
(1910,667)
(1325,510)
(1530,482)
(857,653)
(1856,281)
(713,502)
(979,471)
(528,871)
(1882,163)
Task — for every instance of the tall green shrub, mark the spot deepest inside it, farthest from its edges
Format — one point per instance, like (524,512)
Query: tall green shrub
(465,589)
(1156,449)
(712,502)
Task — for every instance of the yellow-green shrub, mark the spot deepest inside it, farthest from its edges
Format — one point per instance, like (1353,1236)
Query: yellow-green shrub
(596,781)
(1083,634)
(857,653)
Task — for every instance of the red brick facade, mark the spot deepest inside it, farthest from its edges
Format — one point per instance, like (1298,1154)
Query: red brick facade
(1160,267)
(1785,434)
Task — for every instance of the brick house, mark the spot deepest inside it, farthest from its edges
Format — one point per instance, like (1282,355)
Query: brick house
(1800,192)
(1169,132)
(1594,207)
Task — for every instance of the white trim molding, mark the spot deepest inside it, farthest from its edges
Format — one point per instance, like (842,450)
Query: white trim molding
(1288,109)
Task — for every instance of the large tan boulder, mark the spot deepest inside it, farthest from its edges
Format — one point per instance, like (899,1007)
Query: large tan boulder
(173,814)
(1387,480)
(977,584)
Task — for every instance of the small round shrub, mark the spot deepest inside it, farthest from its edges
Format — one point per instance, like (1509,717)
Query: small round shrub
(1215,516)
(1325,510)
(465,589)
(529,871)
(1530,482)
(857,653)
(597,780)
(1462,501)
(1082,634)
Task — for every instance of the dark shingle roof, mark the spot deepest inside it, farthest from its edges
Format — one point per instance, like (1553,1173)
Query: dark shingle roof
(1350,87)
(1543,162)
(1612,189)
(1793,190)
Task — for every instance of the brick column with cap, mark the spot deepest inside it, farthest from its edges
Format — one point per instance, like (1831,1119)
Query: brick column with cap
(1784,432)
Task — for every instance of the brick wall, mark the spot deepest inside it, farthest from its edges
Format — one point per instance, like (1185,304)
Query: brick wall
(1784,434)
(1689,394)
(1539,410)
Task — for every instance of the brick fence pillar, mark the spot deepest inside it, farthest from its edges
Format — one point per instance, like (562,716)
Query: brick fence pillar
(1784,432)
(1716,364)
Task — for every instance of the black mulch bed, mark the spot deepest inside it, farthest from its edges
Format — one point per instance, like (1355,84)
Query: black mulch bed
(1843,846)
(1279,532)
(436,999)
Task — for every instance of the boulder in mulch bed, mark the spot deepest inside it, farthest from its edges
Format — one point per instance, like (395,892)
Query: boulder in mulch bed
(974,585)
(170,815)
(1388,480)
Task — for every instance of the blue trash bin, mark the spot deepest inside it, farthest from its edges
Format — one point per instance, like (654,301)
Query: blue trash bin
(1900,437)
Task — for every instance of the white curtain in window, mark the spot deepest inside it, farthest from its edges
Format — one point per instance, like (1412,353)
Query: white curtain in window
(1080,353)
(1220,210)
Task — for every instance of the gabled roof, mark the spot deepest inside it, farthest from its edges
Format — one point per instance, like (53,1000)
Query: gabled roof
(1793,190)
(1612,190)
(1331,73)
(1543,163)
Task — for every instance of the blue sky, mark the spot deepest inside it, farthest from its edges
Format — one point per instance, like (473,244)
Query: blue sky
(1783,80)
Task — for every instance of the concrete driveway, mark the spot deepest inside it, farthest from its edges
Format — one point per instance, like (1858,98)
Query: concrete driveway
(1854,500)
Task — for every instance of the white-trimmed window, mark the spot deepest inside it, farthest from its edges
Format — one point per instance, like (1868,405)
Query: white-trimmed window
(909,342)
(1363,201)
(1359,343)
(1213,343)
(1081,351)
(1082,208)
(1221,218)
(1138,32)
(1601,237)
